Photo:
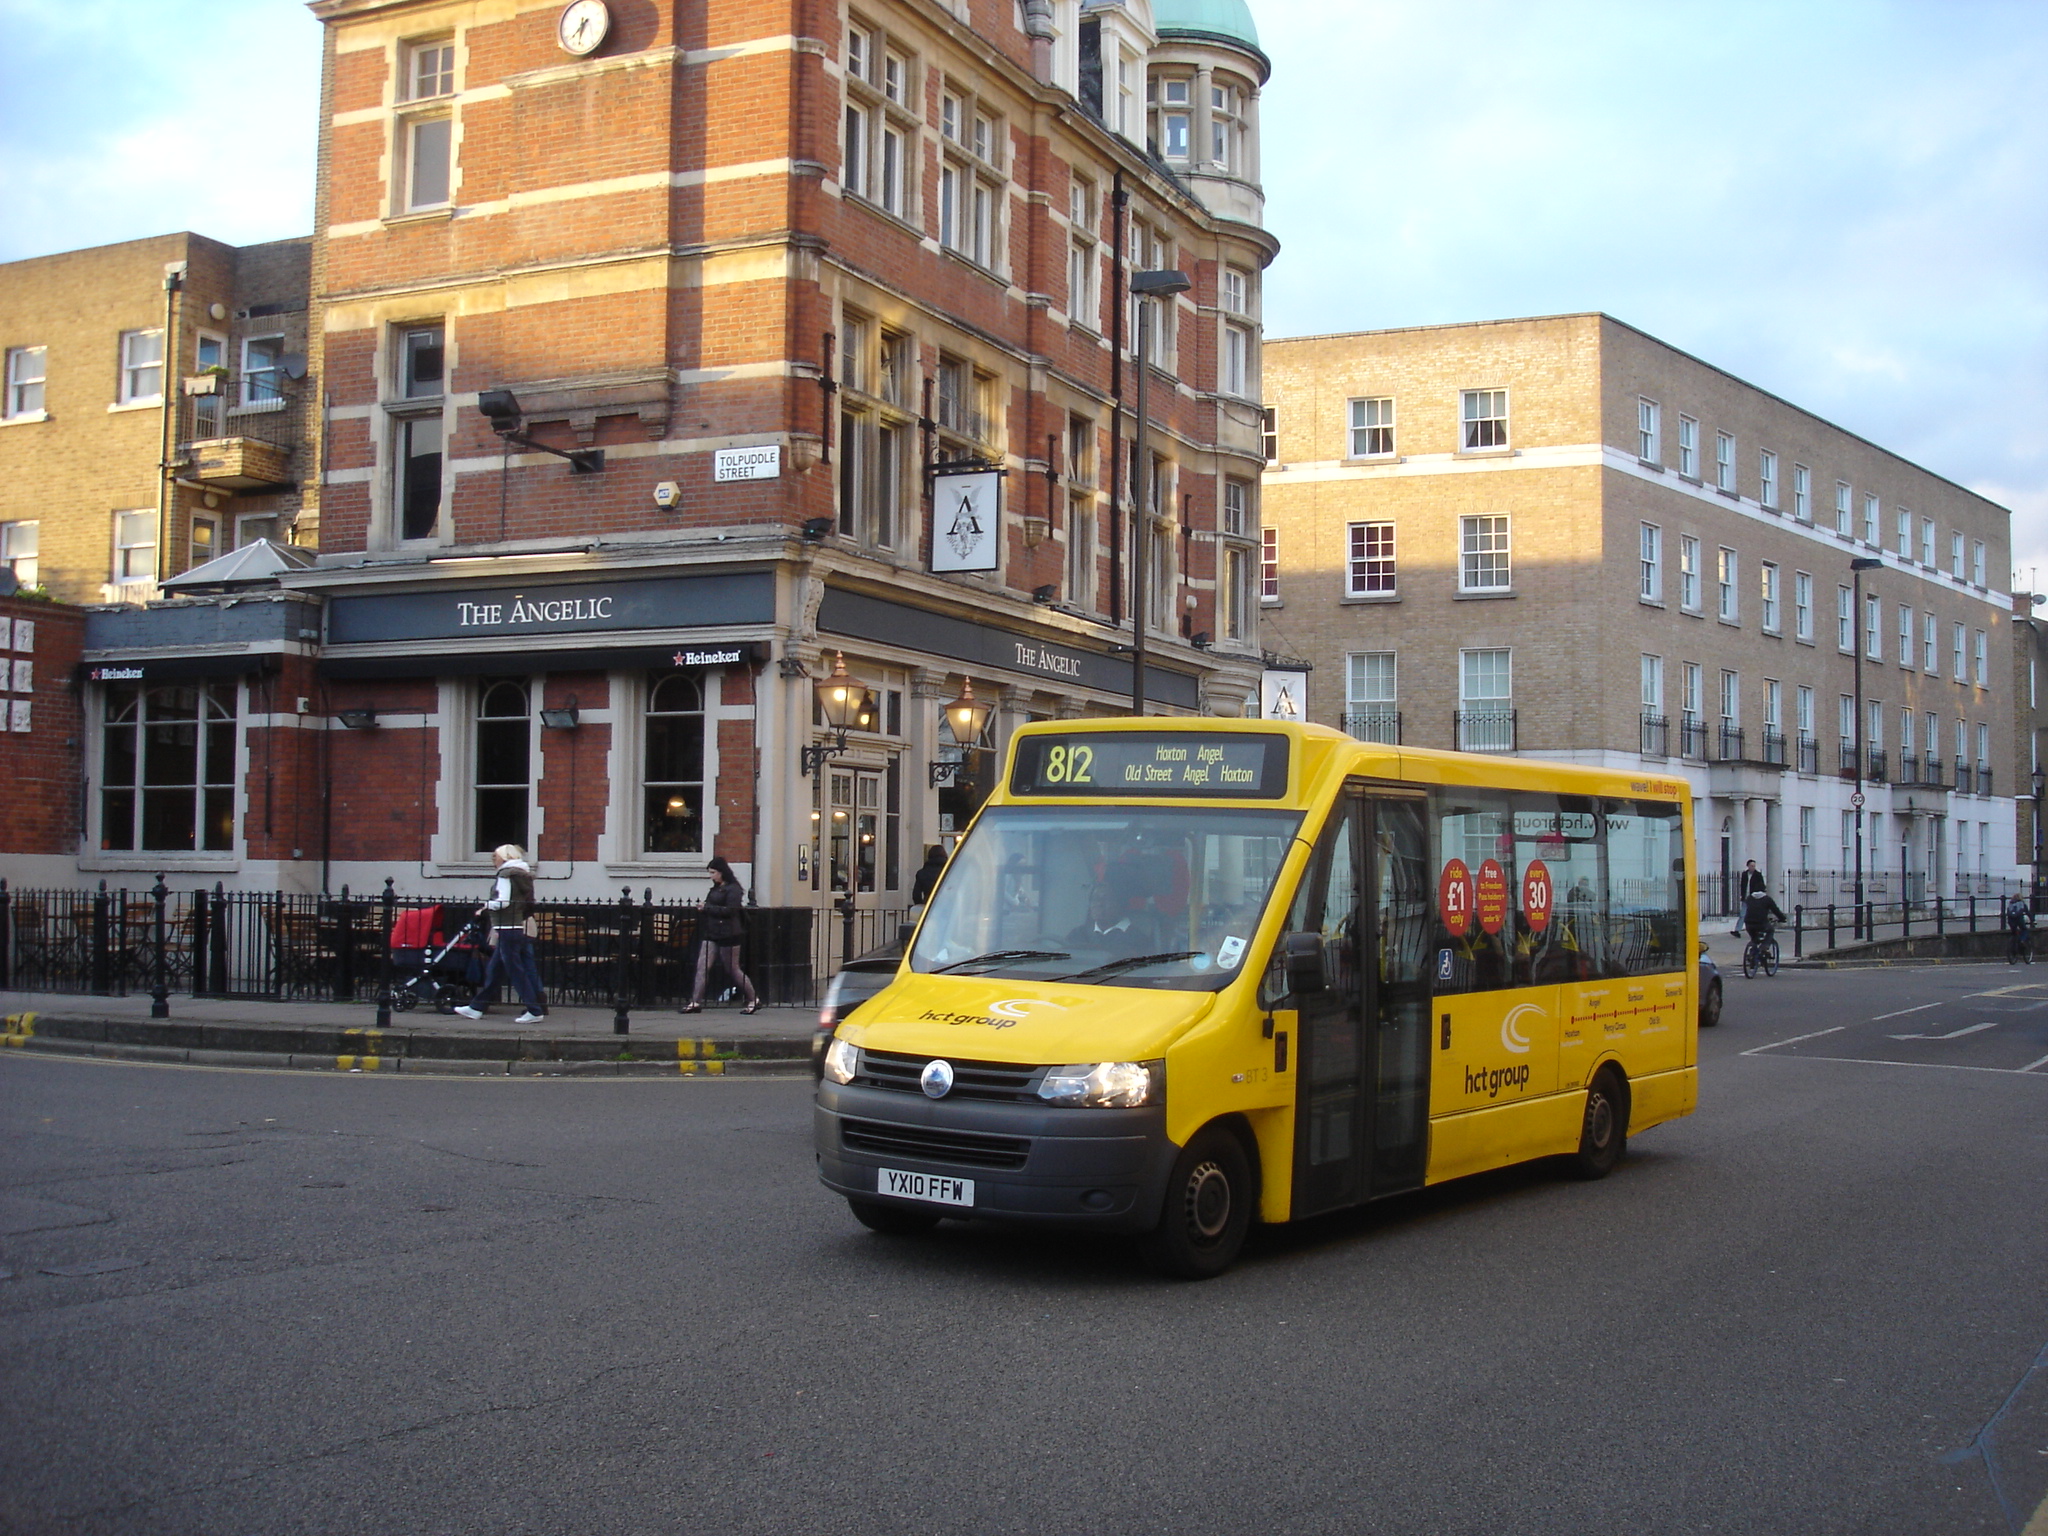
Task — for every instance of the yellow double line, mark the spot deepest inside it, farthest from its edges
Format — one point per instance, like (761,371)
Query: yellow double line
(20,1028)
(695,1057)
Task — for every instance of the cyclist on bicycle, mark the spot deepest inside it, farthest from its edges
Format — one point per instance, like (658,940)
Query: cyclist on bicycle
(1760,914)
(2019,925)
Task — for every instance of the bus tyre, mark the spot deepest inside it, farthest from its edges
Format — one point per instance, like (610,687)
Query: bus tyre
(1603,1135)
(1710,1010)
(1208,1209)
(896,1220)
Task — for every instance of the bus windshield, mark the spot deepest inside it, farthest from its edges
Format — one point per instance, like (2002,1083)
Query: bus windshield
(1164,897)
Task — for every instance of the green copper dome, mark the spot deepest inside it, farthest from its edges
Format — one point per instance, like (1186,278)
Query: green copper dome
(1211,18)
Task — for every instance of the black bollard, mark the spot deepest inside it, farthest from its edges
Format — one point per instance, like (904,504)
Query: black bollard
(1798,931)
(160,995)
(6,939)
(1831,925)
(102,982)
(384,947)
(622,978)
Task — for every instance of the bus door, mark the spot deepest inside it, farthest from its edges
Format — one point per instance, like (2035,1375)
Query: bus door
(1361,1124)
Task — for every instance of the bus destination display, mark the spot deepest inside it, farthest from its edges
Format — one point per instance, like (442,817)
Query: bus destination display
(1152,763)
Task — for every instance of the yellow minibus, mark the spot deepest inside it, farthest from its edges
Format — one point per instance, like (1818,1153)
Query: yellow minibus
(1182,975)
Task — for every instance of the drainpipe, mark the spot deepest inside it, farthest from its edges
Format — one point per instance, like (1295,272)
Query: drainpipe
(174,283)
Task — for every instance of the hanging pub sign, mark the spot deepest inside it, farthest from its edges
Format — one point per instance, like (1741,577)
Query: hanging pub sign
(967,520)
(1283,695)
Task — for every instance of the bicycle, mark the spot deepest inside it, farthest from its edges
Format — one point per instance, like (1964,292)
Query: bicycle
(1760,954)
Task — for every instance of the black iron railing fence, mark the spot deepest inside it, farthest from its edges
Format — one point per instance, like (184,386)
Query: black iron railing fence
(291,946)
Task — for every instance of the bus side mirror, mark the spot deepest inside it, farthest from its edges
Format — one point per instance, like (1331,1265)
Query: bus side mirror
(1305,962)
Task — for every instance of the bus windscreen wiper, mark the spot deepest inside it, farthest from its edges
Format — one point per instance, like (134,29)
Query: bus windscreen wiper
(1000,955)
(1131,962)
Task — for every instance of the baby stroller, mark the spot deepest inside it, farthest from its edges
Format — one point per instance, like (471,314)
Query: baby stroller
(437,967)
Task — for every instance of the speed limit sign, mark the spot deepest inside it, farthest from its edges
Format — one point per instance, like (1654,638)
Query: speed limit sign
(1856,801)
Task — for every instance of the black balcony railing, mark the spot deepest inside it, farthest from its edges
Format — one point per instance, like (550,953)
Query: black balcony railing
(1848,769)
(258,406)
(1729,747)
(1774,746)
(1692,736)
(1484,730)
(1876,768)
(1983,781)
(1909,769)
(1962,779)
(1809,754)
(1654,736)
(1373,724)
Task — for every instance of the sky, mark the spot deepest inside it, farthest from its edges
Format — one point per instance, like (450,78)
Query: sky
(1843,203)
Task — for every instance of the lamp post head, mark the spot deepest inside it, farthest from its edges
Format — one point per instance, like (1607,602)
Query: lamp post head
(1161,284)
(839,697)
(967,715)
(1866,563)
(500,407)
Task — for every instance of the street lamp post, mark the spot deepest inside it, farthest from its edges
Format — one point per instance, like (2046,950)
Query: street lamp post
(1858,566)
(1163,284)
(2040,783)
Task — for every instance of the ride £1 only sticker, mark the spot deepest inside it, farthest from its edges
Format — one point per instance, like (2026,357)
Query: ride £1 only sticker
(1454,898)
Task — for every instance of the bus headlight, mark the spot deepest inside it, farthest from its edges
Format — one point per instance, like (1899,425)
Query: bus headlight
(842,1062)
(1103,1084)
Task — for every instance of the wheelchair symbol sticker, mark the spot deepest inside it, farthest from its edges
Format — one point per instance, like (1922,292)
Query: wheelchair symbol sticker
(1443,965)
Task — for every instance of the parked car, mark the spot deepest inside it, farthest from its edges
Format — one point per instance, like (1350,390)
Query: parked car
(857,981)
(1710,990)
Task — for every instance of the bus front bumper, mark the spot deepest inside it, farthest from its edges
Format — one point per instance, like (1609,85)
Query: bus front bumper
(1104,1169)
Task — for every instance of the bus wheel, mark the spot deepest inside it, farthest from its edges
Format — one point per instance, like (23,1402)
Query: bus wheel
(1710,1010)
(1208,1209)
(1604,1136)
(896,1220)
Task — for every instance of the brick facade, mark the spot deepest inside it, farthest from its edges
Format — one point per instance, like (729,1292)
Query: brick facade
(39,737)
(1579,484)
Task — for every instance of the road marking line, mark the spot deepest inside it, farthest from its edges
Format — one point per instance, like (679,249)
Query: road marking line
(2043,1062)
(2012,991)
(1759,1050)
(1903,1012)
(1936,1066)
(1954,1034)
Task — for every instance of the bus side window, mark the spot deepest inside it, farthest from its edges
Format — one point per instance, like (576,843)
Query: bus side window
(1645,852)
(1273,988)
(1478,904)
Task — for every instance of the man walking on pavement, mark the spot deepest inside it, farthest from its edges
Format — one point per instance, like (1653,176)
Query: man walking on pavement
(1749,883)
(2019,927)
(511,948)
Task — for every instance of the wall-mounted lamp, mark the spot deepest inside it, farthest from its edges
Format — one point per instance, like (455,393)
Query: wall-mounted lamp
(565,719)
(816,528)
(968,716)
(357,719)
(840,698)
(500,407)
(1200,640)
(1046,593)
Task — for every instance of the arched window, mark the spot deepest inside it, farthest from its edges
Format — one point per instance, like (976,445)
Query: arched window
(168,768)
(504,763)
(674,769)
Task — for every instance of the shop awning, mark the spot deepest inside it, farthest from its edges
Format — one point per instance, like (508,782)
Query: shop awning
(691,656)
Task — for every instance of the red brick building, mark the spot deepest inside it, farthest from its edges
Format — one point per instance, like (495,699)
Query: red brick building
(804,332)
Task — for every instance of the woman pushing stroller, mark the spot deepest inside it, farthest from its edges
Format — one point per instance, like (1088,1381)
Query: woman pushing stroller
(511,947)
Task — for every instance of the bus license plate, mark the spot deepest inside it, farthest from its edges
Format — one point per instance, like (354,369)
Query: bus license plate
(924,1186)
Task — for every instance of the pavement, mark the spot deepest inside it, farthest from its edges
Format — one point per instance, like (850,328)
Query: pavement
(344,1036)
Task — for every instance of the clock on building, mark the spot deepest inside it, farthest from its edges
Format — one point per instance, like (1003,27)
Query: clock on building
(583,26)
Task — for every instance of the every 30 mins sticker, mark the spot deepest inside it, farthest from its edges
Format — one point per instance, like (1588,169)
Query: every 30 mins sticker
(1537,895)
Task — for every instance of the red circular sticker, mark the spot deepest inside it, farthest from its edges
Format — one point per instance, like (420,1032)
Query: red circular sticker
(1454,898)
(1492,902)
(1537,895)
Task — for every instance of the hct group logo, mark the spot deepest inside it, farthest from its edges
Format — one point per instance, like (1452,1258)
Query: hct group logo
(1511,1034)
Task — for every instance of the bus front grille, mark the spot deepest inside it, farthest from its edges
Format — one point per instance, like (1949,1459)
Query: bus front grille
(971,1079)
(880,1139)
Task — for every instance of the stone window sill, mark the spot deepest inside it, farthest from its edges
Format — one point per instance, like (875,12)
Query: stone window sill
(1506,594)
(25,419)
(1368,599)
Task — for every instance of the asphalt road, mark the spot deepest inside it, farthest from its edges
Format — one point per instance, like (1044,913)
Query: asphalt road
(362,1304)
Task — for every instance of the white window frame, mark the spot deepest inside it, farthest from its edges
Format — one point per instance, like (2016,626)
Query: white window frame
(129,565)
(1873,528)
(1653,683)
(1955,554)
(1927,542)
(1959,640)
(1977,571)
(1906,633)
(1650,558)
(137,366)
(1802,606)
(20,549)
(1767,479)
(27,375)
(1372,678)
(1930,645)
(1269,566)
(1767,592)
(1724,461)
(1237,360)
(1802,494)
(1370,568)
(1487,432)
(1904,529)
(1649,431)
(1688,447)
(1727,600)
(1845,620)
(1485,552)
(1873,627)
(1980,659)
(1691,685)
(1689,573)
(1845,509)
(1372,427)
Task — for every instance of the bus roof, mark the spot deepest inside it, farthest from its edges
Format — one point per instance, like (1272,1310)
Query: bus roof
(1320,752)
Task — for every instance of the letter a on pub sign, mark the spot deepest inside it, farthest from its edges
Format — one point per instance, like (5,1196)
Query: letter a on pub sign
(966,521)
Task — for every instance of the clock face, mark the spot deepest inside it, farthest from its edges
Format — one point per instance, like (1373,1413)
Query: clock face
(583,26)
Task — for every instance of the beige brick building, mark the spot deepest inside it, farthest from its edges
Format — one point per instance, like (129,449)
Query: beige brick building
(1564,538)
(86,510)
